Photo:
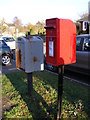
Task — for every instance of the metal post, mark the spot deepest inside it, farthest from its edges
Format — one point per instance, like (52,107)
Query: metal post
(60,90)
(30,83)
(89,15)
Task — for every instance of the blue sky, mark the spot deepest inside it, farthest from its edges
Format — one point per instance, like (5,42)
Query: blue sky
(32,11)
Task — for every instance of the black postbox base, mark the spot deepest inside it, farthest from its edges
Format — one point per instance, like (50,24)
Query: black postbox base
(60,90)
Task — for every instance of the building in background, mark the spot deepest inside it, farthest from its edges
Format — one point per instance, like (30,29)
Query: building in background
(83,25)
(84,22)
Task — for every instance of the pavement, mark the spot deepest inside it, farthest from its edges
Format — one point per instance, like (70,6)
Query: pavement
(10,68)
(68,74)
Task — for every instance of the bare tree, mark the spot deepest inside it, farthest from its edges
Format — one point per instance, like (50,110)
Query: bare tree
(17,23)
(40,26)
(84,15)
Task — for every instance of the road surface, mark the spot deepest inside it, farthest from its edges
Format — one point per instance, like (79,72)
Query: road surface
(68,74)
(10,68)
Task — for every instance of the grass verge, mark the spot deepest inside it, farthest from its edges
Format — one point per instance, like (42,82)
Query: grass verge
(43,103)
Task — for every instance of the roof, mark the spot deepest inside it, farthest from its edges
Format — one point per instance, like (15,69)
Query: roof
(10,24)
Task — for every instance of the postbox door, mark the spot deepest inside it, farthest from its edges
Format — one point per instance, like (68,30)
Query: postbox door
(51,41)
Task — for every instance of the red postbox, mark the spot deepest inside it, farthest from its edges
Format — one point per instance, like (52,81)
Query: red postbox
(60,42)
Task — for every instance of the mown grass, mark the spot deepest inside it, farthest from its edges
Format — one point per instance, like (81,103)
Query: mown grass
(43,102)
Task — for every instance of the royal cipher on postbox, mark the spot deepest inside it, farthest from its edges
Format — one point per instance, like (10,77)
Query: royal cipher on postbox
(60,42)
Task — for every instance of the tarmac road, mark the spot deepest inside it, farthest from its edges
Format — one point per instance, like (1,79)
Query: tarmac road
(10,68)
(68,74)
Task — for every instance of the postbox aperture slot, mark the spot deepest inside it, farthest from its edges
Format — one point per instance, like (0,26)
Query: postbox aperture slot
(50,27)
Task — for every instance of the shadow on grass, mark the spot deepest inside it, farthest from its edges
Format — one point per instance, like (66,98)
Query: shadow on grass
(37,106)
(72,92)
